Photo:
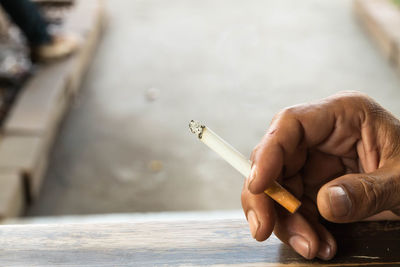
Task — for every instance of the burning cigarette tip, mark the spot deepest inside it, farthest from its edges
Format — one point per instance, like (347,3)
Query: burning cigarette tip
(196,128)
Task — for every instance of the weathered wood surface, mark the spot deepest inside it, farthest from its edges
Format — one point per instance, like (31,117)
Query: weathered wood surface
(185,243)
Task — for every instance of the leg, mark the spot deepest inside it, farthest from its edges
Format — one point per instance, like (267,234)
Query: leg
(27,17)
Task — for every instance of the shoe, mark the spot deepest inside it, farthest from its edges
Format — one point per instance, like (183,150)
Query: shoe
(61,46)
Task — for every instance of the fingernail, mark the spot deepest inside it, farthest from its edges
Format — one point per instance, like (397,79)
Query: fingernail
(324,251)
(252,174)
(339,201)
(253,222)
(301,245)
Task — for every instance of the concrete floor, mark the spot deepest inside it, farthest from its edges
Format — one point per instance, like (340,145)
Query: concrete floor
(125,145)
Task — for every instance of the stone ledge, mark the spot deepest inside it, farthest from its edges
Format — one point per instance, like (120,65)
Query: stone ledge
(33,121)
(12,195)
(381,19)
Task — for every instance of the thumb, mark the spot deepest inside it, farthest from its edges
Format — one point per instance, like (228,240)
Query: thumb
(354,197)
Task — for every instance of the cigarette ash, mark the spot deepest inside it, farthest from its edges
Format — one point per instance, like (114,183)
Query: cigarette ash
(196,128)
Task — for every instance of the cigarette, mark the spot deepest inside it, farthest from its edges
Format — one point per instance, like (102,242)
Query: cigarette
(242,164)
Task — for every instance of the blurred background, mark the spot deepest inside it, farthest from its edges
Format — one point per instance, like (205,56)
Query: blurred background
(123,143)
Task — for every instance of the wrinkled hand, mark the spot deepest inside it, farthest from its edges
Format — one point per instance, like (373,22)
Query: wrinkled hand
(339,156)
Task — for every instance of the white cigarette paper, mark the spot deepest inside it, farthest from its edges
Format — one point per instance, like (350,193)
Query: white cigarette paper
(226,151)
(241,164)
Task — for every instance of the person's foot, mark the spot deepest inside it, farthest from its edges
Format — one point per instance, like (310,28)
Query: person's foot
(61,46)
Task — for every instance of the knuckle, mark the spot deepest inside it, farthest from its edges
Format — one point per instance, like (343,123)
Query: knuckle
(253,154)
(244,193)
(387,128)
(285,113)
(370,192)
(376,111)
(376,193)
(351,94)
(282,116)
(351,98)
(289,111)
(361,105)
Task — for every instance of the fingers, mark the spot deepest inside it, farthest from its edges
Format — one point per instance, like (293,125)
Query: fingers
(283,149)
(306,236)
(308,239)
(327,244)
(333,126)
(295,231)
(260,213)
(354,197)
(319,169)
(266,168)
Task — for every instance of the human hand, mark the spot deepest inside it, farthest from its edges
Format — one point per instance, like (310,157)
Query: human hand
(340,156)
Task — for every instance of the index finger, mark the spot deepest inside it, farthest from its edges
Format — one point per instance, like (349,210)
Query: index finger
(283,149)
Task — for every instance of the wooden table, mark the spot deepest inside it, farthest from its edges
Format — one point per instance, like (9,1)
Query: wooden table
(188,243)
